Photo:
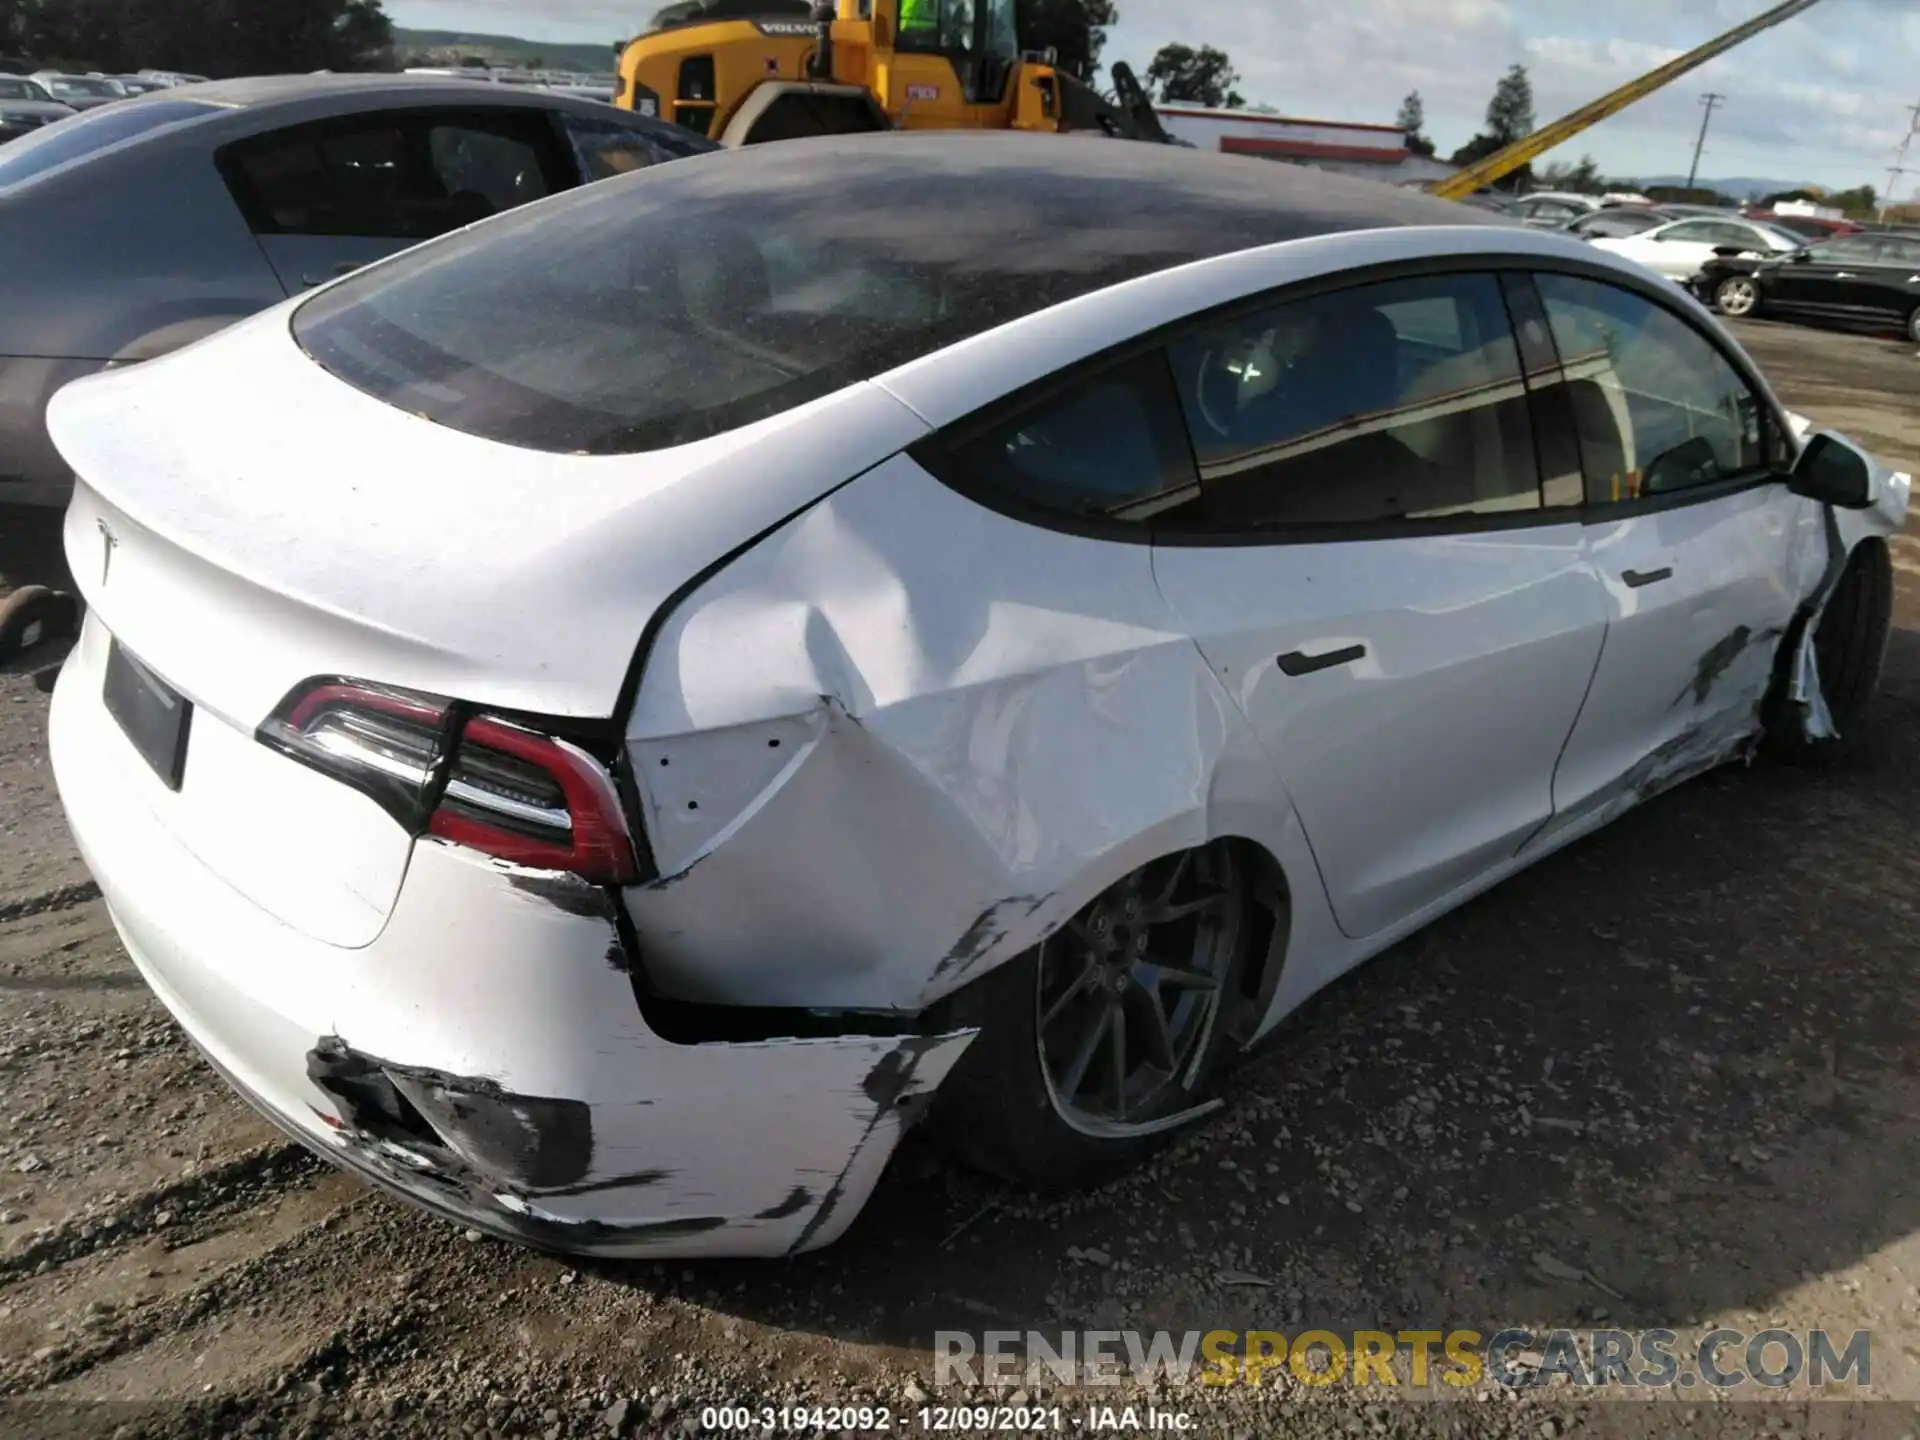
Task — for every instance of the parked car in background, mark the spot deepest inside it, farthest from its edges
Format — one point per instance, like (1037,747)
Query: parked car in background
(82,92)
(136,84)
(739,659)
(1864,280)
(1813,227)
(1680,248)
(26,105)
(1552,209)
(158,220)
(172,77)
(1618,221)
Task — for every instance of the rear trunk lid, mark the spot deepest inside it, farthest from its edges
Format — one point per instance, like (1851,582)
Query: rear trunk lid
(243,522)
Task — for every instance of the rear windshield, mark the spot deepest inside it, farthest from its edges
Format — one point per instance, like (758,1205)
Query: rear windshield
(72,86)
(95,130)
(705,294)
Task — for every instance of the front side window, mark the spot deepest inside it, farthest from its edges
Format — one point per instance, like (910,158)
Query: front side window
(1389,402)
(399,176)
(1657,407)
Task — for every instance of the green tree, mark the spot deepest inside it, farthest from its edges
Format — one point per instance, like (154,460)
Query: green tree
(1862,200)
(1413,120)
(1510,111)
(1183,75)
(1583,178)
(1076,30)
(215,37)
(1509,118)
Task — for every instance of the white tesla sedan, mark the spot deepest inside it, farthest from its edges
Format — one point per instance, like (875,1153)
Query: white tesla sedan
(600,722)
(1679,250)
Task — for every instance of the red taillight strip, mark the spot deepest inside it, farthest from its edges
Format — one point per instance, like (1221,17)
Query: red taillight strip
(323,697)
(599,850)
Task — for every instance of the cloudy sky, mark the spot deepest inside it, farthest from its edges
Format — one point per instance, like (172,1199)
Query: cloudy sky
(1822,98)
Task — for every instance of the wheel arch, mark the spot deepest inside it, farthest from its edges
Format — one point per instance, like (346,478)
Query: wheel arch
(1255,985)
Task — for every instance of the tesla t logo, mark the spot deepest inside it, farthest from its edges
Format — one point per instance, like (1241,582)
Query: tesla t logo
(109,543)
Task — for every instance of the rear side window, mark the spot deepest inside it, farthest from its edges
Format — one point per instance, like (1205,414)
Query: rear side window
(1657,407)
(1398,401)
(1850,250)
(1112,447)
(94,131)
(400,176)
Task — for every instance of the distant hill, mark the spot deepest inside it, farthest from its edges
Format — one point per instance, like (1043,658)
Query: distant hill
(450,47)
(1741,188)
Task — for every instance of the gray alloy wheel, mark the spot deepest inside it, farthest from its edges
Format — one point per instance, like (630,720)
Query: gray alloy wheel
(1128,995)
(1913,325)
(1737,296)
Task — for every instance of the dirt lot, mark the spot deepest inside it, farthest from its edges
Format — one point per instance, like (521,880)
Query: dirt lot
(1680,1057)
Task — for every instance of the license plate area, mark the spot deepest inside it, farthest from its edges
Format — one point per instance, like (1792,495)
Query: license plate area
(150,712)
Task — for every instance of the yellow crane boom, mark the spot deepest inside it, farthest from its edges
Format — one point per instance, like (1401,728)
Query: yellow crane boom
(1505,162)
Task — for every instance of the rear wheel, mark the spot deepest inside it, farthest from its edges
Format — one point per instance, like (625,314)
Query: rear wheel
(1850,645)
(1913,325)
(1099,1039)
(1737,296)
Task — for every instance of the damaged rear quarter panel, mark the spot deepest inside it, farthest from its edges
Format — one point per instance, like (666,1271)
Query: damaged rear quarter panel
(903,738)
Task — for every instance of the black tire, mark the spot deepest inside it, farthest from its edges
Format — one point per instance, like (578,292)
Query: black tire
(1737,297)
(34,615)
(999,1112)
(1913,325)
(1850,644)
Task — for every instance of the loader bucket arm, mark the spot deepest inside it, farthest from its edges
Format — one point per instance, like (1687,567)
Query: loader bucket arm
(1504,162)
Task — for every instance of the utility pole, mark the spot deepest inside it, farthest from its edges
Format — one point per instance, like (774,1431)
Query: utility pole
(1900,161)
(1710,100)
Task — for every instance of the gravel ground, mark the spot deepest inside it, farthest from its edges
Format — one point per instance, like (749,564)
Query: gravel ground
(1665,1079)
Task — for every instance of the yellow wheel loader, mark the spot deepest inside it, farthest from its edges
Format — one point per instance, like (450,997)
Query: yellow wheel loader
(749,71)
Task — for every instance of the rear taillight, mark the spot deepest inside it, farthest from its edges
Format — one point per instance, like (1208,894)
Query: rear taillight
(534,800)
(495,785)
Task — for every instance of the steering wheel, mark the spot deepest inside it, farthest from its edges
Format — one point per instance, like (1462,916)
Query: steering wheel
(1223,375)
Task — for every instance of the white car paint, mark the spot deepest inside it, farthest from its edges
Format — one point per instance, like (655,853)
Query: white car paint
(883,739)
(1667,250)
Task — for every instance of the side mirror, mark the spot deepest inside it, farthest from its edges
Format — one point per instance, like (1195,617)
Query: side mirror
(1799,257)
(1833,472)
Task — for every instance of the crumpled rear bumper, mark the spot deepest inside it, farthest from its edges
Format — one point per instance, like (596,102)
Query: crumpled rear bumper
(485,1057)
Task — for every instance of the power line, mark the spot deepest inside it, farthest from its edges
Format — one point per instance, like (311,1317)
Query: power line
(1710,100)
(1900,161)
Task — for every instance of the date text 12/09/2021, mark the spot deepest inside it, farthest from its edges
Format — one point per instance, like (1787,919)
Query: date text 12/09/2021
(942,1419)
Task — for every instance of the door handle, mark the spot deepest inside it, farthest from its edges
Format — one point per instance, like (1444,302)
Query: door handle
(1298,662)
(1640,579)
